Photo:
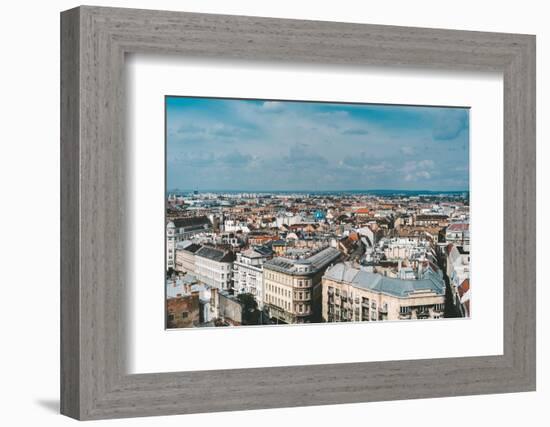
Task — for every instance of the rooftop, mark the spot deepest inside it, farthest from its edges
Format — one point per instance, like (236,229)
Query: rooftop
(431,282)
(215,254)
(192,247)
(459,226)
(191,221)
(308,265)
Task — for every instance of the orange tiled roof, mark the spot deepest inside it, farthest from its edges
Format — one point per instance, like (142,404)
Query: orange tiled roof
(464,287)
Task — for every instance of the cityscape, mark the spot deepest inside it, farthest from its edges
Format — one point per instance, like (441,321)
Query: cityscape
(286,212)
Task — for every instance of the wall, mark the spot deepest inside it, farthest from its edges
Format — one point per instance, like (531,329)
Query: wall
(29,168)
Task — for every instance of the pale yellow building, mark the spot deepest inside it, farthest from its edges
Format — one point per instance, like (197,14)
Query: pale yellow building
(351,294)
(292,287)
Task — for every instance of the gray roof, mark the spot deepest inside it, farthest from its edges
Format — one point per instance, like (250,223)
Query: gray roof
(192,222)
(308,265)
(264,250)
(215,254)
(431,281)
(252,253)
(192,248)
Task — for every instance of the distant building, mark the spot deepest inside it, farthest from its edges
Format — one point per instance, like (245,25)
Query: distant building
(248,273)
(458,271)
(428,220)
(411,248)
(319,215)
(351,294)
(232,226)
(292,286)
(463,292)
(214,266)
(186,228)
(185,257)
(363,212)
(458,233)
(170,245)
(181,229)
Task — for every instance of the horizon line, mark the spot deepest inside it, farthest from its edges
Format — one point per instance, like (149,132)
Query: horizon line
(318,191)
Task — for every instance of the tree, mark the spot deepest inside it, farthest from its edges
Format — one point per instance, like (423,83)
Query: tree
(251,314)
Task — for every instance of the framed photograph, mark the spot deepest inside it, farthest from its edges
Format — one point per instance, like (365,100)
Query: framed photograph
(261,213)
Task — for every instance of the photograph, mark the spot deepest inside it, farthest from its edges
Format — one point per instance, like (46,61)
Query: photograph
(282,212)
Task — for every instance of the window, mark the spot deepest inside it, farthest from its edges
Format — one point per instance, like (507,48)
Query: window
(170,317)
(184,315)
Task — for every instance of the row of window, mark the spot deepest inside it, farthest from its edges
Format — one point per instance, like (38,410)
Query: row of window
(184,315)
(278,290)
(343,296)
(299,308)
(285,279)
(336,315)
(421,308)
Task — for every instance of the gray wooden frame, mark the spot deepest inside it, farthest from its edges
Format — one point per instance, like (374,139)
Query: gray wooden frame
(94,41)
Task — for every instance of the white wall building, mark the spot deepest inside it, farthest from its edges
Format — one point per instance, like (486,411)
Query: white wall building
(186,228)
(458,233)
(214,267)
(248,274)
(405,248)
(185,256)
(232,226)
(170,245)
(458,270)
(288,219)
(182,229)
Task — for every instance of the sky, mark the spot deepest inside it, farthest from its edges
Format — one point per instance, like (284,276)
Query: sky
(261,145)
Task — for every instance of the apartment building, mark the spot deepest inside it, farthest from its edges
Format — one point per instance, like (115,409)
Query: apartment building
(182,229)
(248,273)
(185,228)
(351,294)
(458,271)
(458,233)
(292,286)
(214,266)
(185,257)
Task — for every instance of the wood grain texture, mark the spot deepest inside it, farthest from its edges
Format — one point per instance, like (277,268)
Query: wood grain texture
(94,239)
(70,259)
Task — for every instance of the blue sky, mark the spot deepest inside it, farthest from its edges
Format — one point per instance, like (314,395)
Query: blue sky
(221,144)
